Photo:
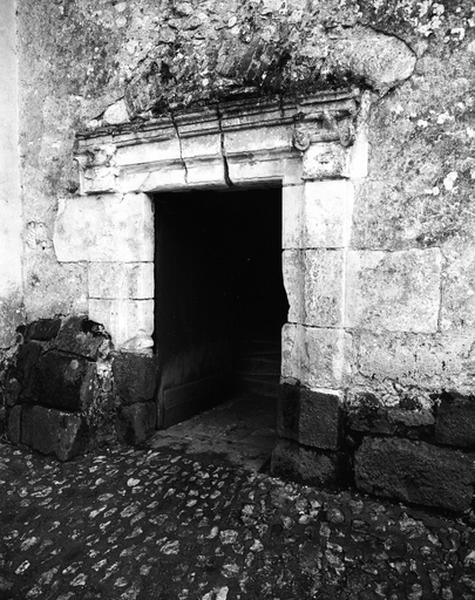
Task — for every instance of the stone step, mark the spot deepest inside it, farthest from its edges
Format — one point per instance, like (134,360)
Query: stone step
(259,364)
(262,387)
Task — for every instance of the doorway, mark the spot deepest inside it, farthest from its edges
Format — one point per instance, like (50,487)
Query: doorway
(220,301)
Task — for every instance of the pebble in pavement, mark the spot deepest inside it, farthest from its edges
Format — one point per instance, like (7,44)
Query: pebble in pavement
(132,524)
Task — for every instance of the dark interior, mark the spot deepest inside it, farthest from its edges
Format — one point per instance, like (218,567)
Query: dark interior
(219,294)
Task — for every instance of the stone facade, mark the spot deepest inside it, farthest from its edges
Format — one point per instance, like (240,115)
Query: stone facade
(67,391)
(361,110)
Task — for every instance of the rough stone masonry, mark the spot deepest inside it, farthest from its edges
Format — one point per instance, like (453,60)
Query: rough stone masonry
(395,386)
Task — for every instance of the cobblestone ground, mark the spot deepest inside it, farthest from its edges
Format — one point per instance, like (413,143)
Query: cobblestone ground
(153,524)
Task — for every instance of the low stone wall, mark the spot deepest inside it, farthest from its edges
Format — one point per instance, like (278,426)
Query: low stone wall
(417,455)
(60,394)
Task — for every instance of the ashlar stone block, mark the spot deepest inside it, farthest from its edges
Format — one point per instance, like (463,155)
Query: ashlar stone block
(430,362)
(310,418)
(325,161)
(315,357)
(121,280)
(313,280)
(395,291)
(415,472)
(317,214)
(292,461)
(52,431)
(122,318)
(135,423)
(109,227)
(135,377)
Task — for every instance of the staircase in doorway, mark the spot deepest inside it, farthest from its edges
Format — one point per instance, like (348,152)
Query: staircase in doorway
(258,367)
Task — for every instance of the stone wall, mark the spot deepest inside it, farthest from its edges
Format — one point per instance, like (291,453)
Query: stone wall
(10,195)
(410,284)
(403,306)
(68,392)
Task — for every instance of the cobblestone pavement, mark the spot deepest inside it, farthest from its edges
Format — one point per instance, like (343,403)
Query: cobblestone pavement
(155,524)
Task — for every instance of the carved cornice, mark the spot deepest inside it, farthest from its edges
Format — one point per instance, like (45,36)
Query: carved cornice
(190,147)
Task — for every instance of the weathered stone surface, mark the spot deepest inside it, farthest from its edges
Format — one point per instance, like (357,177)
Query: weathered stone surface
(116,113)
(324,161)
(458,285)
(370,417)
(428,362)
(63,381)
(455,421)
(310,418)
(121,280)
(292,461)
(415,472)
(123,319)
(10,190)
(135,423)
(12,391)
(316,357)
(64,285)
(105,228)
(80,335)
(317,214)
(51,431)
(27,359)
(135,377)
(42,330)
(397,291)
(14,416)
(313,282)
(380,59)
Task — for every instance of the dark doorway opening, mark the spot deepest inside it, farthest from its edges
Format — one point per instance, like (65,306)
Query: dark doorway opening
(220,300)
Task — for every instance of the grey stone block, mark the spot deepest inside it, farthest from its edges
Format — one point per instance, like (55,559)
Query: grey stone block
(371,418)
(14,424)
(290,460)
(135,423)
(27,359)
(310,418)
(415,472)
(135,377)
(455,421)
(42,330)
(64,381)
(80,335)
(52,431)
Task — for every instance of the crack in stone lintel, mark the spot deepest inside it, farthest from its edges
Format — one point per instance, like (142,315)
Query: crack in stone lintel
(227,177)
(180,146)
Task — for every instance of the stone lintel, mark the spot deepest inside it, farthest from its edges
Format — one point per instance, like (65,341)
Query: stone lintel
(242,134)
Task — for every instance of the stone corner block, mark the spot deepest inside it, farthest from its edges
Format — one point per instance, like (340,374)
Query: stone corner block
(317,214)
(310,418)
(123,318)
(313,282)
(316,357)
(52,431)
(135,423)
(292,461)
(135,377)
(107,227)
(415,472)
(121,280)
(324,161)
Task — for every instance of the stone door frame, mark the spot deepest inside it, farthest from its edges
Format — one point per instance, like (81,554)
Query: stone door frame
(315,147)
